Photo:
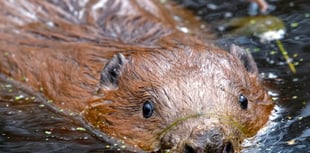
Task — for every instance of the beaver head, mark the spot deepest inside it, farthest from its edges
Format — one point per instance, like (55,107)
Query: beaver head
(190,100)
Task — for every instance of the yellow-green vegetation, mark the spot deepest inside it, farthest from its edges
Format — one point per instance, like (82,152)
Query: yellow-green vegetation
(19,97)
(285,55)
(80,129)
(48,132)
(107,146)
(294,25)
(265,27)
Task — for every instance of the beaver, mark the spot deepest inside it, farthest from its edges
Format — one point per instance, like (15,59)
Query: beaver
(127,71)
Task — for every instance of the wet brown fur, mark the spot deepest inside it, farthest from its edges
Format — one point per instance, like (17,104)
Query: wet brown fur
(61,47)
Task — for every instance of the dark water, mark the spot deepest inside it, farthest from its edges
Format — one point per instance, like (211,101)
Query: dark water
(289,128)
(28,125)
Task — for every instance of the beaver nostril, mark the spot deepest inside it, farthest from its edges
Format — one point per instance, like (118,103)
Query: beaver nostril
(228,148)
(189,149)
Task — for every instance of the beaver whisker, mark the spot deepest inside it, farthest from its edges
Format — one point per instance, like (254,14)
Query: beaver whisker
(223,118)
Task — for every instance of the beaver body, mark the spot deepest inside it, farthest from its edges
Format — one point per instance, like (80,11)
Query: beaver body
(126,69)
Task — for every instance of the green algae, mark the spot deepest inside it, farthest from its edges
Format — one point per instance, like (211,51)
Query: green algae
(255,25)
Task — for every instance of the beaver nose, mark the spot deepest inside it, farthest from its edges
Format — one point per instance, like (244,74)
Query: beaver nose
(208,140)
(227,148)
(189,149)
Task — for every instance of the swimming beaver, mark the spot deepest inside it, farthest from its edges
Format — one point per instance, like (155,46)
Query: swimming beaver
(124,68)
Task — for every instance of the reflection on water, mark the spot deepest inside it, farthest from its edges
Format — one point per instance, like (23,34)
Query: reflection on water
(289,128)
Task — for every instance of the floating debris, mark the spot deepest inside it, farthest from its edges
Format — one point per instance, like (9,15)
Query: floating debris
(273,52)
(123,146)
(167,151)
(265,27)
(107,146)
(273,94)
(294,25)
(8,86)
(80,129)
(275,98)
(19,97)
(6,54)
(271,35)
(285,55)
(183,29)
(304,103)
(291,142)
(85,138)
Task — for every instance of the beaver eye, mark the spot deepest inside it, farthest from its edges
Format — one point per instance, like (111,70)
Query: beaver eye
(243,101)
(148,109)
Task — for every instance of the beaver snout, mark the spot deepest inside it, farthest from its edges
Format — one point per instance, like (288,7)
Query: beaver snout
(206,141)
(227,148)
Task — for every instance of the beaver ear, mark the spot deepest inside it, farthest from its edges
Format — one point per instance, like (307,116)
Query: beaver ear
(245,57)
(112,71)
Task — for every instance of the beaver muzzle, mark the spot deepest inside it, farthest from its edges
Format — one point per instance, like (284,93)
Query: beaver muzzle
(208,141)
(226,148)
